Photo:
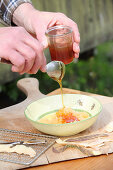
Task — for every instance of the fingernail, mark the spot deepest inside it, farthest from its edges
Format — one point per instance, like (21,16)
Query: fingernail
(43,69)
(78,38)
(77,47)
(45,43)
(76,55)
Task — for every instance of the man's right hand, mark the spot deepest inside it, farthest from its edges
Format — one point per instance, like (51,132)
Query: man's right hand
(22,50)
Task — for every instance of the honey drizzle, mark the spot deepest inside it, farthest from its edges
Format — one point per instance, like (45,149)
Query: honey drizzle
(60,83)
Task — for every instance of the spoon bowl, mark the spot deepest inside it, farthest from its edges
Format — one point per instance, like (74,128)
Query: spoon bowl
(55,70)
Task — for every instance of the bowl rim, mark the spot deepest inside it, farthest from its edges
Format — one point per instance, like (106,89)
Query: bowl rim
(76,122)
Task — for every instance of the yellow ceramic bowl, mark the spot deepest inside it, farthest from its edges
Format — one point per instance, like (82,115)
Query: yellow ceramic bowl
(52,103)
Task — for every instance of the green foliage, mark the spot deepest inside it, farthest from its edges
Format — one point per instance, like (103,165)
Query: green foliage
(94,75)
(11,91)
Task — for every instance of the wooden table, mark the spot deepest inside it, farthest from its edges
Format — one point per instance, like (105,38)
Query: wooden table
(103,162)
(91,163)
(29,87)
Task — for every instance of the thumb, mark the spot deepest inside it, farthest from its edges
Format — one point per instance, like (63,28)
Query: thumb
(44,43)
(42,38)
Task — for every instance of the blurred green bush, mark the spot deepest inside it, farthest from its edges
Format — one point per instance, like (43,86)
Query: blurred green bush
(93,75)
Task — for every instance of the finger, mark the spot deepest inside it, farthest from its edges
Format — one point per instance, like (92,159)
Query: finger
(36,45)
(41,36)
(15,69)
(43,67)
(32,42)
(26,68)
(40,62)
(76,48)
(17,60)
(44,42)
(39,50)
(35,67)
(67,21)
(76,34)
(29,55)
(76,55)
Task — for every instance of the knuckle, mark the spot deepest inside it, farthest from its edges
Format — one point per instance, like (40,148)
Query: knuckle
(61,14)
(5,49)
(18,33)
(75,25)
(9,42)
(40,48)
(20,30)
(21,62)
(32,55)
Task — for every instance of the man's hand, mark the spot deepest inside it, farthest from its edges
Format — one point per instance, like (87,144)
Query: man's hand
(37,22)
(22,50)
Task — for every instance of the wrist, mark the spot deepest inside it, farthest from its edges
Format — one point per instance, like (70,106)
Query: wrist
(21,13)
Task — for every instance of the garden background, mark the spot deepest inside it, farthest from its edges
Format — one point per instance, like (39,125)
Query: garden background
(93,71)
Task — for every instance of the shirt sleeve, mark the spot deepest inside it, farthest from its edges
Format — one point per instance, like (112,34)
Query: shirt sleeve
(7,7)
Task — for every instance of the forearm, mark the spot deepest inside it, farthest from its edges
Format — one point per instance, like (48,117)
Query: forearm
(21,13)
(7,8)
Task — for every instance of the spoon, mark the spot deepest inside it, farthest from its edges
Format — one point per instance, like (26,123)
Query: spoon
(2,60)
(55,70)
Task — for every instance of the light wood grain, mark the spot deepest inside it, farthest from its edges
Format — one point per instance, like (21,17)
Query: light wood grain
(91,163)
(13,118)
(102,99)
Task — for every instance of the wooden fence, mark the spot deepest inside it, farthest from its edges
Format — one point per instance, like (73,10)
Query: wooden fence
(93,17)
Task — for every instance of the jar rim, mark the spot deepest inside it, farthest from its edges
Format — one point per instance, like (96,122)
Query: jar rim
(47,33)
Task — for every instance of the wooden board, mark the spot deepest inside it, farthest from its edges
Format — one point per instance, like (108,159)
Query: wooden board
(13,118)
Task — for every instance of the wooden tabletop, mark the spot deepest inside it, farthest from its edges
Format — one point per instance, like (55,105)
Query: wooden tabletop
(13,118)
(103,162)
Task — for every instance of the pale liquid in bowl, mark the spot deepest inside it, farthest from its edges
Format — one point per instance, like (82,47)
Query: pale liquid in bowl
(63,115)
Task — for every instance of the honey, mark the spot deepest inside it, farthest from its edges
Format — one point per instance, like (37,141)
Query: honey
(60,83)
(59,53)
(60,42)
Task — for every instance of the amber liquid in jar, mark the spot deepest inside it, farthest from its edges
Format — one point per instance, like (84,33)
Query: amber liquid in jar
(59,53)
(60,42)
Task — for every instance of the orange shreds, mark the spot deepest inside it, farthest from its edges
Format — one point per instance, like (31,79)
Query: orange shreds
(66,115)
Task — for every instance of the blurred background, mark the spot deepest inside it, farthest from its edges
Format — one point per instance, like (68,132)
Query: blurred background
(93,71)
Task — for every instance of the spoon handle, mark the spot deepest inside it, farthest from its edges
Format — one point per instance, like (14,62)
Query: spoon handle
(2,60)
